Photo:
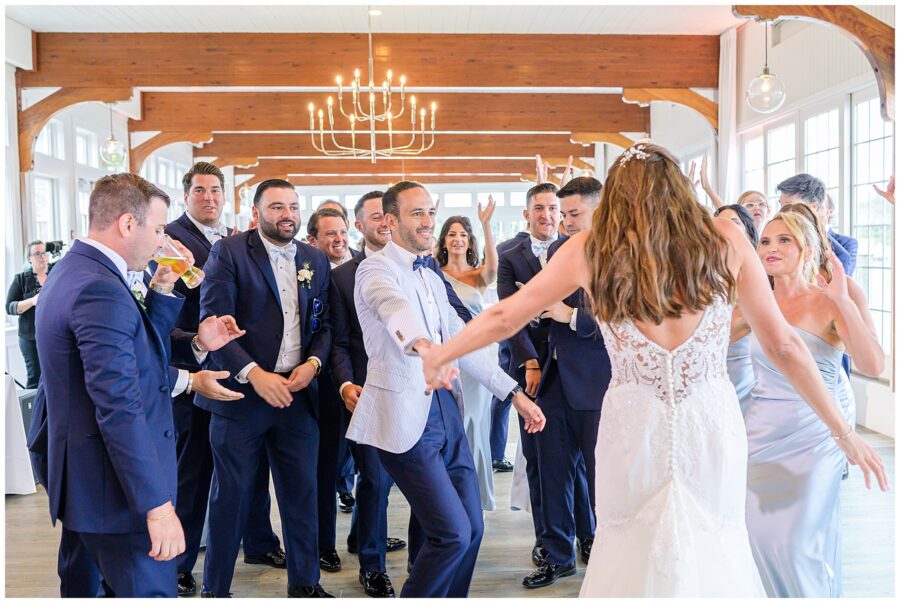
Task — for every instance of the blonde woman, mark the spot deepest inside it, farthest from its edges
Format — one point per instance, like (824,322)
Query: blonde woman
(795,462)
(671,454)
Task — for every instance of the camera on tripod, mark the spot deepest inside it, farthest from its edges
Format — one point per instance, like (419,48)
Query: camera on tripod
(54,248)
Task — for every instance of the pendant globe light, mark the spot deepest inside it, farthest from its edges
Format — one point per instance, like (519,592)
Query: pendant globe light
(765,94)
(112,153)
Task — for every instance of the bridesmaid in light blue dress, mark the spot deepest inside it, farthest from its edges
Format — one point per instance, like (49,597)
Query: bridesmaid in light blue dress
(457,254)
(795,463)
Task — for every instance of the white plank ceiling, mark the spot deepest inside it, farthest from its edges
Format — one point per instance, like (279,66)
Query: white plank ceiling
(462,19)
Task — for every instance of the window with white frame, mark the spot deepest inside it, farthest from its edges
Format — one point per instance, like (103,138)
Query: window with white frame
(86,152)
(822,150)
(165,172)
(517,199)
(754,164)
(871,217)
(499,199)
(456,200)
(83,201)
(46,209)
(781,159)
(51,141)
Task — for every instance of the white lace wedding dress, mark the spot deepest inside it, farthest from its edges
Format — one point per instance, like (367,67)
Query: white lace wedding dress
(671,470)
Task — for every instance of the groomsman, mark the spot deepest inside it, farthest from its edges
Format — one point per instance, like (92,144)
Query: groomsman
(109,418)
(278,290)
(419,436)
(326,230)
(198,229)
(571,391)
(528,348)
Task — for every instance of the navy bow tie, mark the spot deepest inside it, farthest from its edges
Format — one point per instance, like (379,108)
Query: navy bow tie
(421,262)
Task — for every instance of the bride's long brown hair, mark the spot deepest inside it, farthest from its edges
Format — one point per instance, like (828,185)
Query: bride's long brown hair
(653,251)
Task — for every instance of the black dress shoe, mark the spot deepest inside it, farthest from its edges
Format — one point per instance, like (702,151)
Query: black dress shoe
(352,547)
(502,466)
(329,560)
(308,592)
(377,584)
(538,554)
(274,559)
(585,547)
(346,502)
(206,594)
(187,586)
(395,544)
(547,574)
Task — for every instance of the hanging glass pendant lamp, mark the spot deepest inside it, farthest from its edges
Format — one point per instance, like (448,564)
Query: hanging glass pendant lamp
(112,153)
(766,94)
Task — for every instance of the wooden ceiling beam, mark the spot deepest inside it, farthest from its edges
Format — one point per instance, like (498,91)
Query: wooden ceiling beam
(278,111)
(682,96)
(139,154)
(237,149)
(408,167)
(271,59)
(604,137)
(875,38)
(33,119)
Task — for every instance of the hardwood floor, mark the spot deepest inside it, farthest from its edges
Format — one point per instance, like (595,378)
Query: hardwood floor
(869,563)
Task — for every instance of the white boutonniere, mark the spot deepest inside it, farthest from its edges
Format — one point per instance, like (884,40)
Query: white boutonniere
(305,275)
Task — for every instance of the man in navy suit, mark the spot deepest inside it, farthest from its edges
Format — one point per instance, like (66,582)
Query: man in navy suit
(277,290)
(198,229)
(804,188)
(571,391)
(528,348)
(326,230)
(110,449)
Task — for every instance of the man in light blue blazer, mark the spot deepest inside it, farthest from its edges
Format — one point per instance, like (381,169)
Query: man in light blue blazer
(403,310)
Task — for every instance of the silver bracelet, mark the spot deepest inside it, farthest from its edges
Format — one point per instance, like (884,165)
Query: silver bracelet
(843,437)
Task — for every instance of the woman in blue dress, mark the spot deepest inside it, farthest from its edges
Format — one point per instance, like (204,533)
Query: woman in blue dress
(795,464)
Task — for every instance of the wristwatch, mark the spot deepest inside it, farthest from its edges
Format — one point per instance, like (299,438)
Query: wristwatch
(516,390)
(316,364)
(195,345)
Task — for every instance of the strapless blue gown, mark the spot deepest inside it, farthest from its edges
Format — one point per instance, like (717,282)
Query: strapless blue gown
(794,478)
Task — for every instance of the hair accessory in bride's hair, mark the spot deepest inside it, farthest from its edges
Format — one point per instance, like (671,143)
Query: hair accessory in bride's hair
(636,150)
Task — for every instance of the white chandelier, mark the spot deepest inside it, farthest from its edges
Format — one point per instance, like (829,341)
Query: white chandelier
(367,119)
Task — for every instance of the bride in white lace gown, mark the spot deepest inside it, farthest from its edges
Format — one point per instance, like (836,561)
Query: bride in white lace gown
(671,453)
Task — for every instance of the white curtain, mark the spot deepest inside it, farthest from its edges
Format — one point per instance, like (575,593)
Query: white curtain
(728,175)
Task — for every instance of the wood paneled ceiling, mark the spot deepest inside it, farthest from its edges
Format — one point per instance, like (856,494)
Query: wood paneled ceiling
(501,98)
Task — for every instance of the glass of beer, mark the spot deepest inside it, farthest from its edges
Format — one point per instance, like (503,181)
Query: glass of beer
(170,256)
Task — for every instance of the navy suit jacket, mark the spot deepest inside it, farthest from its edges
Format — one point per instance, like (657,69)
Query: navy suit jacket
(845,248)
(348,352)
(110,436)
(581,357)
(240,282)
(518,264)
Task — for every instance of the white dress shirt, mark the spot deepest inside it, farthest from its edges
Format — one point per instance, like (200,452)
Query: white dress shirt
(286,278)
(433,320)
(542,258)
(213,234)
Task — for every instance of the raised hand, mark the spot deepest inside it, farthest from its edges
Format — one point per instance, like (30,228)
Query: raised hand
(541,169)
(567,174)
(690,175)
(485,215)
(887,194)
(530,412)
(216,331)
(836,290)
(704,173)
(206,383)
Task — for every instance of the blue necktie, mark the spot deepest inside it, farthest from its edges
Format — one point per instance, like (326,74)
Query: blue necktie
(287,252)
